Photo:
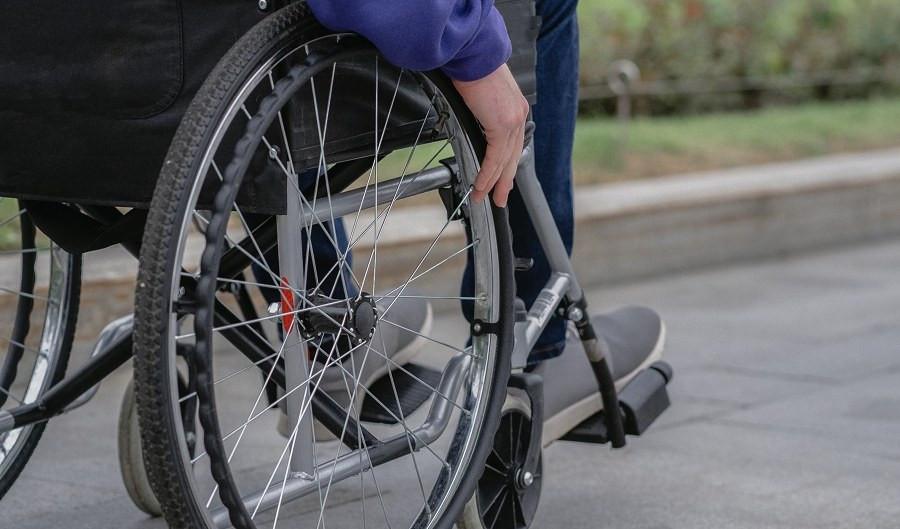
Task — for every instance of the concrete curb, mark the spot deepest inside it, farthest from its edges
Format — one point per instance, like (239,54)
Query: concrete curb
(639,229)
(633,230)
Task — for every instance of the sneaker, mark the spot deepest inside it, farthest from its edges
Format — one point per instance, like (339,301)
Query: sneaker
(633,337)
(399,337)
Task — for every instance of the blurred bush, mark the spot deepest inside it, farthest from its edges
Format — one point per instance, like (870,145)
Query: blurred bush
(712,39)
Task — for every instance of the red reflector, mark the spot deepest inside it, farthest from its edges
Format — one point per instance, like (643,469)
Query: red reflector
(287,305)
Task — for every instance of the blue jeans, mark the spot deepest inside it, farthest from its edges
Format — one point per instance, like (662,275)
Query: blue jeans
(554,116)
(554,134)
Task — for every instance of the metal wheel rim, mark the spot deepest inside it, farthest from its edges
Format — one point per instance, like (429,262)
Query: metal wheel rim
(486,342)
(49,346)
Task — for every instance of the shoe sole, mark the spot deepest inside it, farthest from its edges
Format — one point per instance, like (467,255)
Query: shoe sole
(569,417)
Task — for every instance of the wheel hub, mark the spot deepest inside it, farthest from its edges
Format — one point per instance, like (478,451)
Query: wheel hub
(355,317)
(524,479)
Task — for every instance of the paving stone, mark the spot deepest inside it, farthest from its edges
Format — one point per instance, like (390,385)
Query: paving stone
(862,415)
(739,389)
(857,355)
(707,475)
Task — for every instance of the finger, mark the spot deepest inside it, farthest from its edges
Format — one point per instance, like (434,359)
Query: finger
(504,174)
(498,146)
(485,174)
(491,168)
(507,155)
(505,183)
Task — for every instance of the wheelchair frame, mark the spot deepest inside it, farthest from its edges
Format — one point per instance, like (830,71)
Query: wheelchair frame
(562,295)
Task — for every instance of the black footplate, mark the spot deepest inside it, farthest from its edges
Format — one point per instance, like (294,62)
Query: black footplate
(641,401)
(414,384)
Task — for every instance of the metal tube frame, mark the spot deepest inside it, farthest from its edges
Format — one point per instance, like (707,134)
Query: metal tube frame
(562,287)
(562,294)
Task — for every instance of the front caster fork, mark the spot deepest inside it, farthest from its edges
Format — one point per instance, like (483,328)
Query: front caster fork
(533,386)
(577,312)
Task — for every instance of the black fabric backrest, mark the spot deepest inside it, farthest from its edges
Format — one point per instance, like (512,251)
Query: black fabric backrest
(92,92)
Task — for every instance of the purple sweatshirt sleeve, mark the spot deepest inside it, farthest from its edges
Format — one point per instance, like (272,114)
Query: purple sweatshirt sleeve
(466,39)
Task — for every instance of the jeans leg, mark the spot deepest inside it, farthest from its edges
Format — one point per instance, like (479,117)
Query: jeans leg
(554,116)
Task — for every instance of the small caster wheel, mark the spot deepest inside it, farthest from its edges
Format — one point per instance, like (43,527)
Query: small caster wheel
(131,461)
(507,495)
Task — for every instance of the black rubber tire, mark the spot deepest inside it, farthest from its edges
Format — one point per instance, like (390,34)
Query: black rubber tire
(166,470)
(73,295)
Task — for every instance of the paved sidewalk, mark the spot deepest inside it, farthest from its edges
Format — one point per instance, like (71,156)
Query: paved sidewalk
(786,413)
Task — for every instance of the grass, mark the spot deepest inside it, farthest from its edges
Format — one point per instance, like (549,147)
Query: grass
(666,145)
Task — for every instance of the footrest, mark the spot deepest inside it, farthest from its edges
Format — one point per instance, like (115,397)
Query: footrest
(641,401)
(590,430)
(411,392)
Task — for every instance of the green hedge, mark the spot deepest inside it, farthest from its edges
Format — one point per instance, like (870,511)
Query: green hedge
(690,39)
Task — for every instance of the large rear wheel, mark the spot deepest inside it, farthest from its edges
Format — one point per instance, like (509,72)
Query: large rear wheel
(39,290)
(323,394)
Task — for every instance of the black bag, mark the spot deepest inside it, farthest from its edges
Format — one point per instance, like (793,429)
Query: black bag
(91,92)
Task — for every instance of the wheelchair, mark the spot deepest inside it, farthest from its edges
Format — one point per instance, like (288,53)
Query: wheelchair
(264,391)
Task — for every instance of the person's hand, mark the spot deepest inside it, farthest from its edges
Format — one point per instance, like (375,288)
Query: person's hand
(499,105)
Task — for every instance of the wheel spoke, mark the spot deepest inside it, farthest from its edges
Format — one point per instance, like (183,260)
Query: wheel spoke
(261,262)
(395,418)
(256,364)
(342,258)
(27,295)
(501,496)
(408,373)
(238,282)
(377,150)
(259,396)
(6,221)
(23,346)
(403,421)
(317,308)
(272,405)
(10,395)
(322,133)
(429,338)
(25,251)
(454,298)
